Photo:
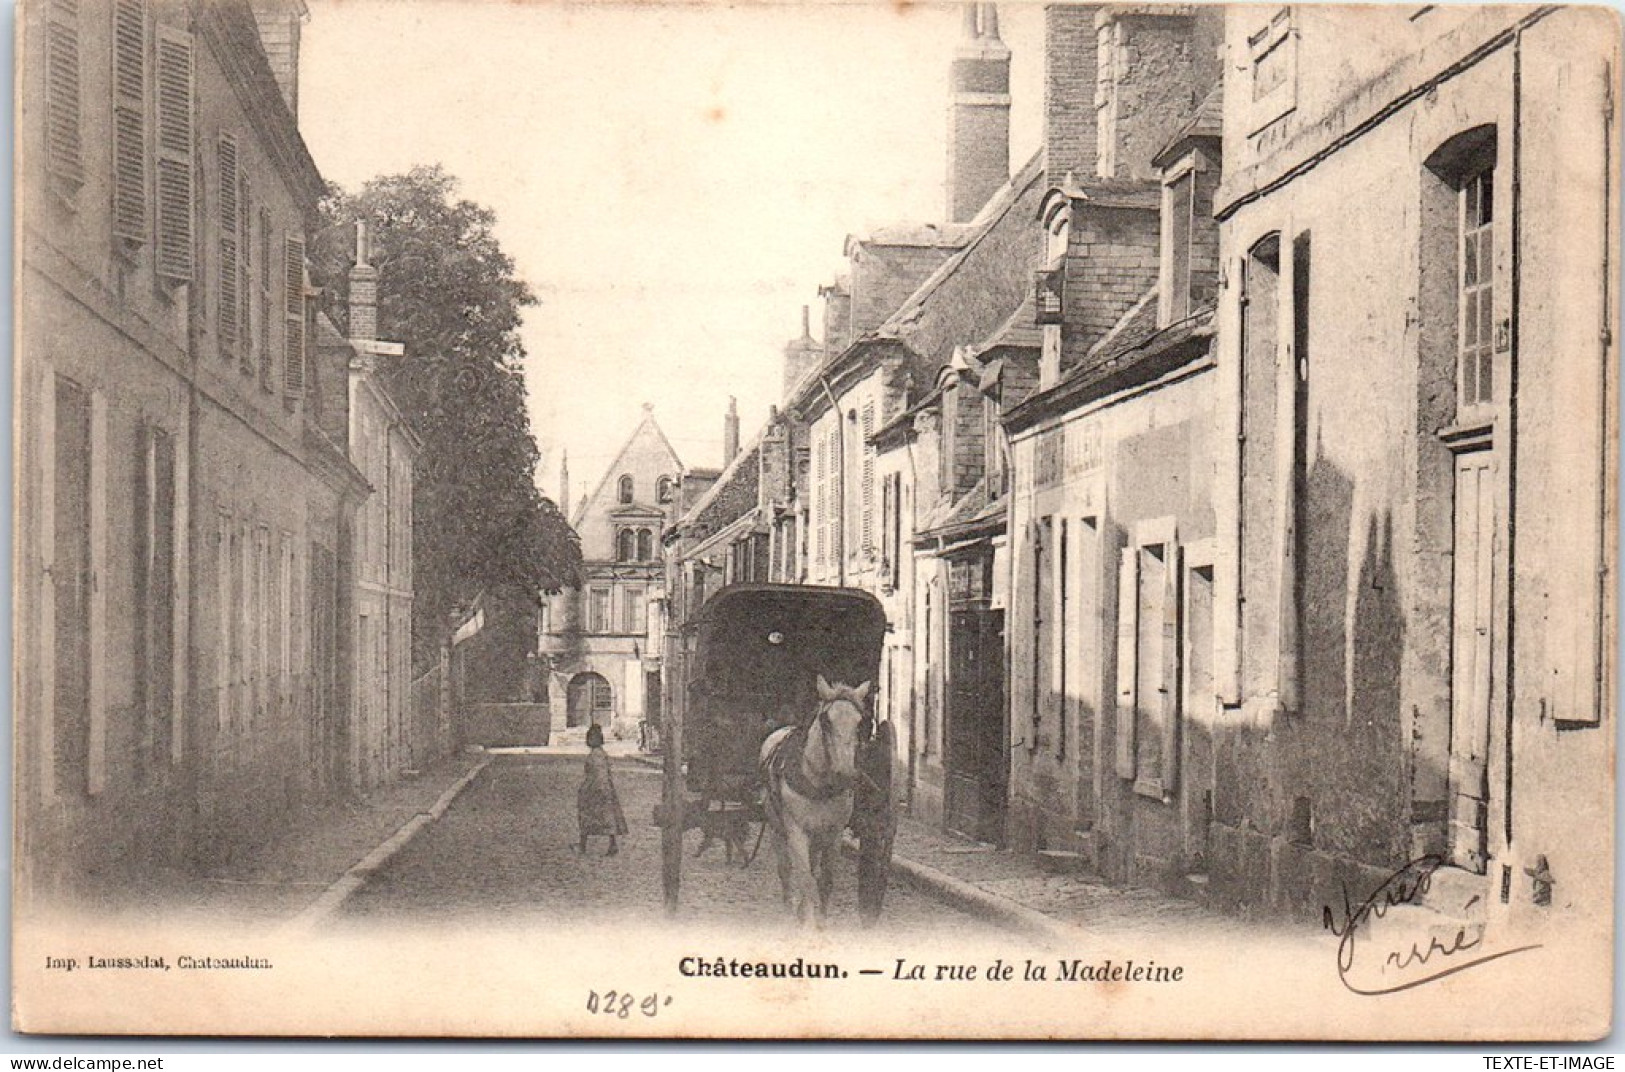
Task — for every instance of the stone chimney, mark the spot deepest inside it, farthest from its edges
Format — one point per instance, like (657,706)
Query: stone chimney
(978,115)
(363,289)
(1156,64)
(730,433)
(801,354)
(279,23)
(1069,90)
(837,315)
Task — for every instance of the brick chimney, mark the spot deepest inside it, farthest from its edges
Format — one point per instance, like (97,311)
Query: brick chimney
(837,315)
(1069,90)
(730,433)
(978,114)
(363,289)
(801,354)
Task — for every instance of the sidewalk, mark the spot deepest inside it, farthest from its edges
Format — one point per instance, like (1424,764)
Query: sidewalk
(1016,891)
(327,849)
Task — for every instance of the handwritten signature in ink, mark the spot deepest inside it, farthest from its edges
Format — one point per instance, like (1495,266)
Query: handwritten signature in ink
(1405,886)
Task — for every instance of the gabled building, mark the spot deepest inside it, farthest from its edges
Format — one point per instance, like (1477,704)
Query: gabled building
(599,640)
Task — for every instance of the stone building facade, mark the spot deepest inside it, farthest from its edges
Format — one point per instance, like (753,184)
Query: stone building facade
(1415,518)
(601,640)
(183,516)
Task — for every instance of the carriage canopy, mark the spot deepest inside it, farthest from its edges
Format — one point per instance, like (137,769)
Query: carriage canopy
(758,652)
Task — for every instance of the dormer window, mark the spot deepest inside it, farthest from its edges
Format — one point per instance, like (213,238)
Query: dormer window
(625,489)
(663,490)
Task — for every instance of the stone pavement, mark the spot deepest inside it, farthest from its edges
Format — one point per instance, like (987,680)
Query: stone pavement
(307,874)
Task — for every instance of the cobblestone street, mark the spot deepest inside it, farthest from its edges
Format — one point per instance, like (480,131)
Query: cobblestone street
(506,850)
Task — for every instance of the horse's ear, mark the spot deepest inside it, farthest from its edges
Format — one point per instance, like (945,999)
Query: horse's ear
(825,693)
(862,692)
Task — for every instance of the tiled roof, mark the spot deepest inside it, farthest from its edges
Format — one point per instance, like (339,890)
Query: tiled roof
(1021,330)
(1136,326)
(1206,122)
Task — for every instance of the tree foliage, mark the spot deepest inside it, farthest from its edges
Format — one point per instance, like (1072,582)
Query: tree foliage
(448,292)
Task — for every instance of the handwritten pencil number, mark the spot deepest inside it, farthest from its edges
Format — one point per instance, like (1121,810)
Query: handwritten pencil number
(620,1003)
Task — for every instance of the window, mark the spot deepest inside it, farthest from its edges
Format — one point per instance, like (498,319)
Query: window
(154,610)
(1178,200)
(130,121)
(625,545)
(598,610)
(646,545)
(624,493)
(1148,682)
(1475,368)
(634,611)
(663,490)
(174,119)
(1273,54)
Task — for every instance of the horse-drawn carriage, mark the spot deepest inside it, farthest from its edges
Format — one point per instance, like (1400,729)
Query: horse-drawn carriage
(777,727)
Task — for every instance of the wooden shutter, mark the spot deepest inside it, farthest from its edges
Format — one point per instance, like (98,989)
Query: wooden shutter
(1128,636)
(293,358)
(64,147)
(1171,661)
(130,120)
(230,222)
(245,275)
(868,478)
(174,113)
(267,358)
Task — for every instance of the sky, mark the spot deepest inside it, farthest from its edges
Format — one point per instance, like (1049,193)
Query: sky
(674,181)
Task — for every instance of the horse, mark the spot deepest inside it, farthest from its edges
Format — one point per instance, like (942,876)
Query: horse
(808,774)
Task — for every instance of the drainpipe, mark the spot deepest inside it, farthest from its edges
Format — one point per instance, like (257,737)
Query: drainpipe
(1512,417)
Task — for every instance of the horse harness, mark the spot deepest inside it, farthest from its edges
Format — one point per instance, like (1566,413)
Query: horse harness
(784,763)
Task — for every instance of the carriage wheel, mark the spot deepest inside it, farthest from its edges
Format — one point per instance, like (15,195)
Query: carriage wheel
(874,820)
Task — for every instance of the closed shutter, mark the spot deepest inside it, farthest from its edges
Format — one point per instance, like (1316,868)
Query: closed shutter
(174,112)
(267,358)
(130,120)
(1128,633)
(868,478)
(1171,660)
(229,221)
(245,273)
(64,147)
(293,356)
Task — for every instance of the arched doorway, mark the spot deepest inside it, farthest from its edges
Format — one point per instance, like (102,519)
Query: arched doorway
(590,701)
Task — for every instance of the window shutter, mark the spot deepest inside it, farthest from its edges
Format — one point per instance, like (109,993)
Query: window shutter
(230,222)
(267,358)
(130,120)
(63,140)
(245,274)
(1128,633)
(868,478)
(1171,664)
(174,154)
(293,359)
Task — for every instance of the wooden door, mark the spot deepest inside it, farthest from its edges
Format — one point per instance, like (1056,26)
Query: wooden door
(1472,606)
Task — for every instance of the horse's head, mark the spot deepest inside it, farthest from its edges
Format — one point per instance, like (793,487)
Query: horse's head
(840,709)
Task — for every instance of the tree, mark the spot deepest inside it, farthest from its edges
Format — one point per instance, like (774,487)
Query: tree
(449,293)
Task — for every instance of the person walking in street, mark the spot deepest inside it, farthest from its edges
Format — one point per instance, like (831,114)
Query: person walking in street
(598,808)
